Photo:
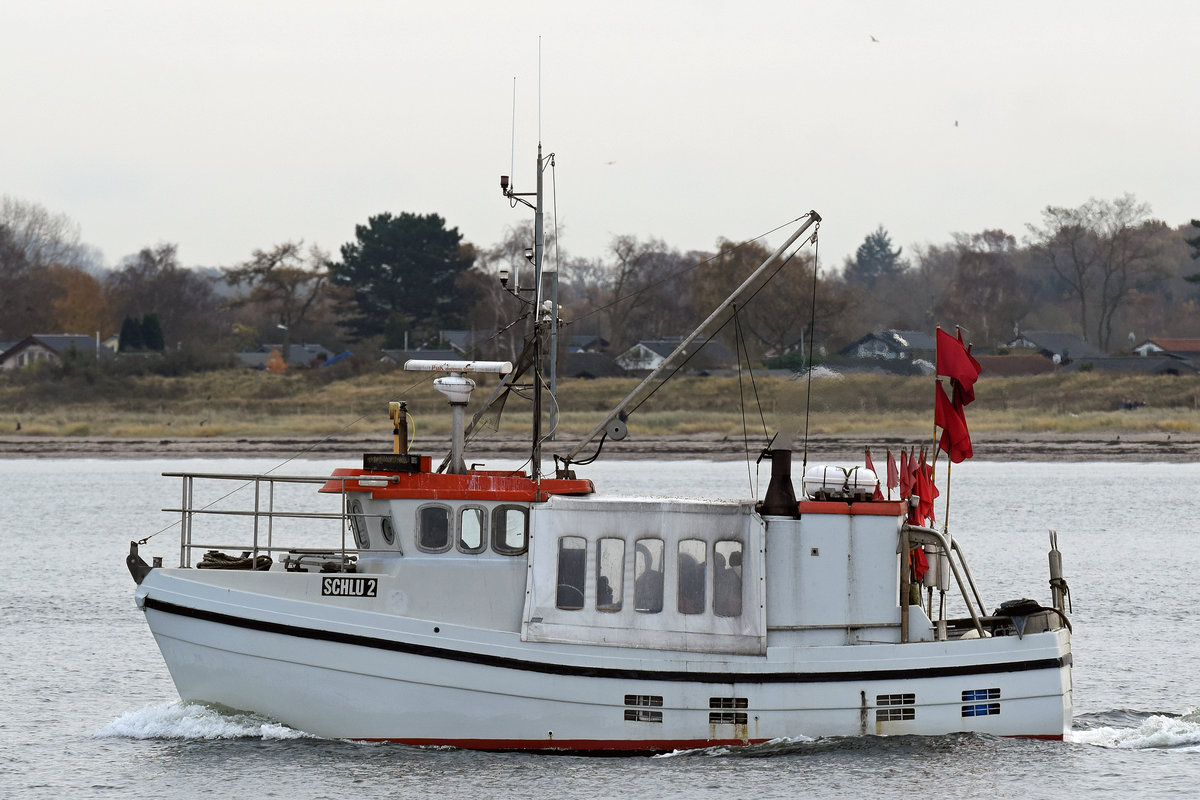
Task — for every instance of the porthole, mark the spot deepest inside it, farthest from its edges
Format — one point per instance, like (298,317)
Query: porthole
(389,533)
(472,529)
(510,530)
(358,525)
(433,529)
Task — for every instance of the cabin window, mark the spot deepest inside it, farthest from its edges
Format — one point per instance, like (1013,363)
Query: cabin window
(693,569)
(389,533)
(727,578)
(648,576)
(358,525)
(572,557)
(433,529)
(610,570)
(472,529)
(510,530)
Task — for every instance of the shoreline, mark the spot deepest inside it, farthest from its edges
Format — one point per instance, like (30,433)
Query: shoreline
(989,446)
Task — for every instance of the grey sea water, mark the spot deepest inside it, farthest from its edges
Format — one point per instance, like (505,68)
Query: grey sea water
(88,709)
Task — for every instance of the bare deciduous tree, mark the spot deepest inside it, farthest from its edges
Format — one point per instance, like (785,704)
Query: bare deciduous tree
(1103,251)
(286,280)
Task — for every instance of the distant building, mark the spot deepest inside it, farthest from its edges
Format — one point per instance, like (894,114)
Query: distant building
(1062,348)
(649,354)
(904,345)
(1176,348)
(51,348)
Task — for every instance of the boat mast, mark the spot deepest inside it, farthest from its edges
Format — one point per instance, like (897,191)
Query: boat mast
(545,313)
(812,218)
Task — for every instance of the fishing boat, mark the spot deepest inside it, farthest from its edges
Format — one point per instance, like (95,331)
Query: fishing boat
(447,604)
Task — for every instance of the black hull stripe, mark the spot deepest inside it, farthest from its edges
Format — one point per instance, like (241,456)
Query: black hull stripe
(601,672)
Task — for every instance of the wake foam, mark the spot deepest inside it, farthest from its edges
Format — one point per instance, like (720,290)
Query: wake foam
(1155,731)
(179,720)
(780,746)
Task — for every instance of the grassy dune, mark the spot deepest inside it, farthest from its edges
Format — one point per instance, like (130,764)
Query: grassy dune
(245,403)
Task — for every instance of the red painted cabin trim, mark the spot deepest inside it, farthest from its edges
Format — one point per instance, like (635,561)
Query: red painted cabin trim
(478,484)
(872,508)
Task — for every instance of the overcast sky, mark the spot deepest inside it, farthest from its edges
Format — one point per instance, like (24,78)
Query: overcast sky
(224,126)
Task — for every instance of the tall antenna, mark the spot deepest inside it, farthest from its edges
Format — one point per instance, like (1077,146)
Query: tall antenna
(539,88)
(512,147)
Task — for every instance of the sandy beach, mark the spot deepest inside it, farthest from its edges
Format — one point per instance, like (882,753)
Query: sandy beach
(1000,446)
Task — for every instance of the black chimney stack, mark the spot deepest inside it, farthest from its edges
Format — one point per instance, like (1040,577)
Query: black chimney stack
(780,500)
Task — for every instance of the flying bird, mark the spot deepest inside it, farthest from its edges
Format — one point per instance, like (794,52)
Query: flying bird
(873,39)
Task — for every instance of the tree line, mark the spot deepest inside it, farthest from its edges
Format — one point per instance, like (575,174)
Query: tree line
(1101,270)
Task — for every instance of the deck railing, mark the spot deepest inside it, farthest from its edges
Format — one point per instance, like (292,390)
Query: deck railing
(914,535)
(262,516)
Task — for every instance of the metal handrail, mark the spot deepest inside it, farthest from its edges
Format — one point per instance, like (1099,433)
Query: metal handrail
(930,536)
(188,511)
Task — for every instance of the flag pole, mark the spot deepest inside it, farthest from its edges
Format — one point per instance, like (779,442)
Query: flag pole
(946,516)
(937,385)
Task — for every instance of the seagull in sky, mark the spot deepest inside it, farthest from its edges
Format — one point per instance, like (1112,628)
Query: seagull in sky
(873,39)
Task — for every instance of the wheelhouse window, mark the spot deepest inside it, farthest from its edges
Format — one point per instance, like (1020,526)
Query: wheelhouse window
(510,530)
(693,570)
(433,529)
(572,558)
(358,525)
(727,578)
(648,576)
(610,572)
(472,529)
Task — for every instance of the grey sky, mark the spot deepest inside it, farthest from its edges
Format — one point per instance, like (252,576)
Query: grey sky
(227,126)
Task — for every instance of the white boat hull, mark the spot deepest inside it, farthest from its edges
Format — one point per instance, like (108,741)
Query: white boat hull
(343,673)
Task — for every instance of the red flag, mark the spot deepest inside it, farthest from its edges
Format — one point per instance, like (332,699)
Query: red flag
(956,439)
(925,489)
(955,361)
(878,495)
(905,479)
(893,473)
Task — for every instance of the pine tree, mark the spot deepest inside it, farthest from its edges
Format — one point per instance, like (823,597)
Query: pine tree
(131,336)
(152,333)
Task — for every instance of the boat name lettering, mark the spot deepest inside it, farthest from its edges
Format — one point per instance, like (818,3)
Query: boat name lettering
(349,587)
